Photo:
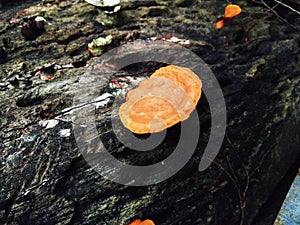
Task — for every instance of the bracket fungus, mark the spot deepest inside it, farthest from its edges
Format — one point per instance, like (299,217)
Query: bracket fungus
(231,11)
(140,222)
(166,98)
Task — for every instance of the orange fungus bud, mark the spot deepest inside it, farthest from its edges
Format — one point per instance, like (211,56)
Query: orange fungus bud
(220,23)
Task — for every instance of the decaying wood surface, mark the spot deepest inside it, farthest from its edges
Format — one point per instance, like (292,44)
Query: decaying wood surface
(45,180)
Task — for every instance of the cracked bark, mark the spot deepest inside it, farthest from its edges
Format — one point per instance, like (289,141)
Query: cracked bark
(45,180)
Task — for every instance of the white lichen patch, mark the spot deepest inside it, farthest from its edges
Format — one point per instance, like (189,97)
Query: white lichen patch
(116,9)
(40,19)
(48,124)
(64,132)
(173,39)
(104,3)
(102,100)
(29,138)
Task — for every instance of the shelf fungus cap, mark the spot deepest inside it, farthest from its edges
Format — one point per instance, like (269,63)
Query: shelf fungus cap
(166,98)
(232,10)
(184,77)
(140,222)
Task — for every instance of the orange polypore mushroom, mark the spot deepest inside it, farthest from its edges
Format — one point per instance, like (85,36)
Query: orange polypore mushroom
(140,222)
(183,77)
(232,11)
(166,98)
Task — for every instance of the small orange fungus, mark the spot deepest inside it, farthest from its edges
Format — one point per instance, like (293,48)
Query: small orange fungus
(166,98)
(140,222)
(231,11)
(220,23)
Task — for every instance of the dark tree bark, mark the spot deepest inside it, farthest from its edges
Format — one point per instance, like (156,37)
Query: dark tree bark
(44,178)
